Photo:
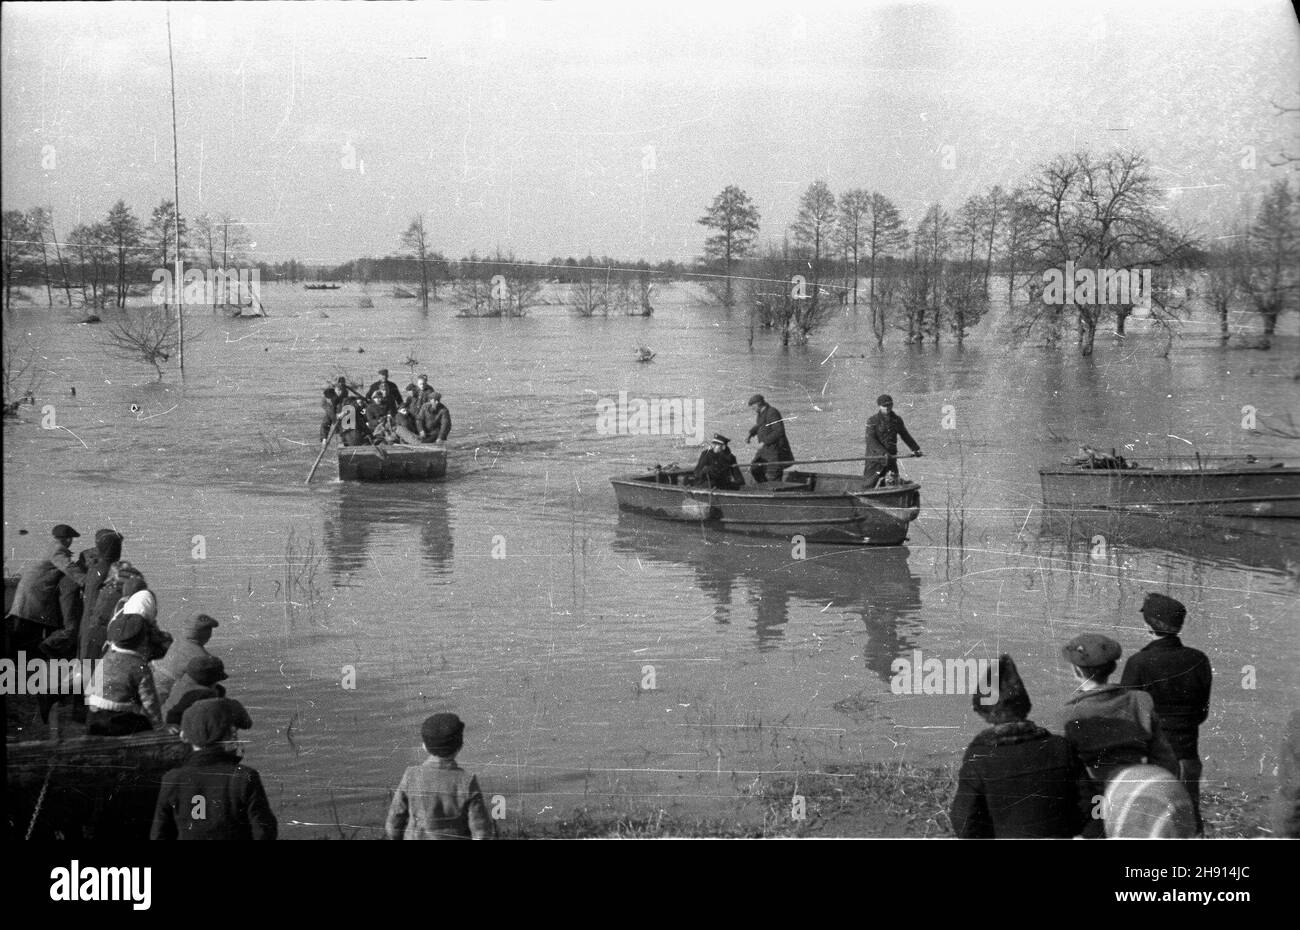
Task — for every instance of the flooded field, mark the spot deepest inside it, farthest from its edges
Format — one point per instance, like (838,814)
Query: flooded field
(596,656)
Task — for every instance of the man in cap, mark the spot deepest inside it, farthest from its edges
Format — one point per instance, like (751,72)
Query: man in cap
(773,446)
(37,611)
(190,646)
(434,420)
(392,397)
(1178,678)
(884,429)
(202,680)
(1110,727)
(1017,779)
(213,795)
(717,467)
(439,800)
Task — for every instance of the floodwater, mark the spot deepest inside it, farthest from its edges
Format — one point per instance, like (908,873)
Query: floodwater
(599,657)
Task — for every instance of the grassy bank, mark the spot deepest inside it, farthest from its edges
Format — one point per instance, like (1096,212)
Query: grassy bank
(873,800)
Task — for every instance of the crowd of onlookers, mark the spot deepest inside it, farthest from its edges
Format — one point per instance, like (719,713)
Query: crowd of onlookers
(1125,762)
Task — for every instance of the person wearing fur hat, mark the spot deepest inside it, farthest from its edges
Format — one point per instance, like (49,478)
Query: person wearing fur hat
(438,800)
(194,638)
(1110,727)
(1178,678)
(202,680)
(213,795)
(121,696)
(1017,779)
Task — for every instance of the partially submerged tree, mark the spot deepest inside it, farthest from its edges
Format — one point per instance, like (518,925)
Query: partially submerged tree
(147,334)
(415,243)
(125,236)
(1270,263)
(885,235)
(22,372)
(736,219)
(17,246)
(854,220)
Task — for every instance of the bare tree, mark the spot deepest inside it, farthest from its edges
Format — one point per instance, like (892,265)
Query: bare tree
(885,234)
(1268,271)
(125,235)
(38,224)
(854,220)
(736,219)
(1223,273)
(591,294)
(22,373)
(416,243)
(147,334)
(17,247)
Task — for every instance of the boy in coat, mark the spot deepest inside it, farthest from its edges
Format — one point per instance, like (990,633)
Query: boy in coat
(438,800)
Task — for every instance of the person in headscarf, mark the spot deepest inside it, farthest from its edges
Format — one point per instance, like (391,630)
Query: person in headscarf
(1017,779)
(232,803)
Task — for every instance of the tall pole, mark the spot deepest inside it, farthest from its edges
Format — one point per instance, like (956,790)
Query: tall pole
(178,277)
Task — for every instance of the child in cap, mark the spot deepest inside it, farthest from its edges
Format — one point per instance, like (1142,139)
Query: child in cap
(438,800)
(121,697)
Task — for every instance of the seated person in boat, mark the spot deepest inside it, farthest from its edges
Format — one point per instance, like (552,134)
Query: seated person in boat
(434,420)
(121,696)
(717,467)
(353,428)
(381,423)
(391,396)
(404,423)
(1088,457)
(423,393)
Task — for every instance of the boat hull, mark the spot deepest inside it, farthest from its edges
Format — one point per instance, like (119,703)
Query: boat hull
(821,508)
(394,463)
(1231,492)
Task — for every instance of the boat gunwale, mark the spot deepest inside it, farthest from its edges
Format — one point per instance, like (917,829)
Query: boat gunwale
(750,492)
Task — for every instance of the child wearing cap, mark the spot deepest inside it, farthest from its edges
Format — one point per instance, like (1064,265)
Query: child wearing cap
(121,696)
(191,645)
(438,800)
(1178,678)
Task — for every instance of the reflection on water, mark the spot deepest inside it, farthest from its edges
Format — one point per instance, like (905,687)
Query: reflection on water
(359,509)
(874,584)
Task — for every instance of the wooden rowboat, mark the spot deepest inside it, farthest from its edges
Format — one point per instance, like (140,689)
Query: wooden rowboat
(818,506)
(1231,488)
(424,462)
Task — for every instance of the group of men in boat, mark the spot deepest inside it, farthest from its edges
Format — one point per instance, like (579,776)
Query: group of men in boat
(717,466)
(384,415)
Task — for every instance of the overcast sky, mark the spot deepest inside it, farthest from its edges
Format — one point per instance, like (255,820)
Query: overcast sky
(563,128)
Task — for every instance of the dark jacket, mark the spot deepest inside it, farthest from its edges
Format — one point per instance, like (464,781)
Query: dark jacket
(187,692)
(99,561)
(1018,780)
(234,803)
(883,432)
(769,428)
(718,470)
(1178,679)
(392,395)
(94,628)
(434,421)
(37,596)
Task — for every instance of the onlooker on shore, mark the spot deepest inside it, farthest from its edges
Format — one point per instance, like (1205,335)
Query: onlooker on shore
(1017,779)
(194,638)
(200,681)
(1178,678)
(139,600)
(1110,727)
(121,695)
(438,800)
(36,611)
(213,795)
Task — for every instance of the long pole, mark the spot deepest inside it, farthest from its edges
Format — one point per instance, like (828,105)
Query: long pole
(856,458)
(176,180)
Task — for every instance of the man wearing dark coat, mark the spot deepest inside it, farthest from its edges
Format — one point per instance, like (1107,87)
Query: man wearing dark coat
(1178,678)
(1017,779)
(773,446)
(884,429)
(329,406)
(717,467)
(434,420)
(213,795)
(392,396)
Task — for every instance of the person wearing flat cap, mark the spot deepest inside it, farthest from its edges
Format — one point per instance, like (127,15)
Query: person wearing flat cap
(37,611)
(717,466)
(1016,779)
(391,397)
(438,800)
(884,429)
(213,795)
(1178,678)
(121,697)
(202,680)
(773,446)
(195,634)
(1110,727)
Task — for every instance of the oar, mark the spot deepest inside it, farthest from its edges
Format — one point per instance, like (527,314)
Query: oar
(323,446)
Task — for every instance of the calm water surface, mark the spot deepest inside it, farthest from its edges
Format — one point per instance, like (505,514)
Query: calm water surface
(761,662)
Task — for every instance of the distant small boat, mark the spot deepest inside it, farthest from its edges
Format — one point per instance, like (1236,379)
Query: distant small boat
(643,354)
(424,462)
(404,293)
(1229,487)
(818,506)
(321,287)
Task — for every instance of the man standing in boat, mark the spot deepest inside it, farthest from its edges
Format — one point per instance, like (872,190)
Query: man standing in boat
(884,429)
(773,446)
(717,467)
